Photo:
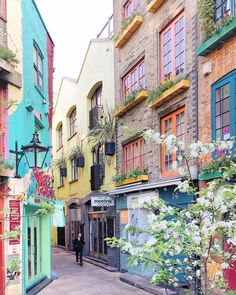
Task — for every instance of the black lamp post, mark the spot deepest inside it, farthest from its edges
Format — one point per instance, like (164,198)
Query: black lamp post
(31,152)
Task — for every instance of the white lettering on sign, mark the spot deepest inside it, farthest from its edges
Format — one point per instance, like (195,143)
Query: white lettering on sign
(102,201)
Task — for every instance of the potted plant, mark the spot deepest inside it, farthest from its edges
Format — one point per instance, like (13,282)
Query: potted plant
(4,165)
(76,153)
(60,164)
(104,134)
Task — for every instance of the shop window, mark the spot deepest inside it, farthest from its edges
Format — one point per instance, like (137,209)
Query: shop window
(224,9)
(73,126)
(224,107)
(134,80)
(38,67)
(130,7)
(173,123)
(172,48)
(134,155)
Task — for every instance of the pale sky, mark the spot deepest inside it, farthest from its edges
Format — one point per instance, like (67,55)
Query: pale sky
(72,24)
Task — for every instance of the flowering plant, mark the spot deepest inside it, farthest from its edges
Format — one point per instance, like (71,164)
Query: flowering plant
(186,242)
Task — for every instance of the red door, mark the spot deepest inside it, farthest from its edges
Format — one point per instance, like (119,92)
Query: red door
(230,273)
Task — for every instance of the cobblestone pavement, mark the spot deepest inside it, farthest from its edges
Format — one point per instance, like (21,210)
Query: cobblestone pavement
(85,280)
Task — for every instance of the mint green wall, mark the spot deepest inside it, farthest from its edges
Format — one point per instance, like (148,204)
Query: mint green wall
(22,122)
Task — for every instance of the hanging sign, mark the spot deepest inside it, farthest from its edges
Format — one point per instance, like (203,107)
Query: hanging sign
(105,201)
(14,222)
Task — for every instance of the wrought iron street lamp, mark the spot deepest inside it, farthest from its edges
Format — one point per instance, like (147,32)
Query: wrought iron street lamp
(34,152)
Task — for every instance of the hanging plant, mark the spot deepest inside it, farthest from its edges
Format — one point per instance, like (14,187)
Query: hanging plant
(76,153)
(60,164)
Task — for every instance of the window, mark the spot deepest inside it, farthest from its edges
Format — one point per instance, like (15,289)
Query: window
(60,134)
(97,98)
(98,158)
(224,8)
(74,170)
(172,49)
(61,181)
(130,7)
(135,79)
(172,124)
(134,155)
(73,127)
(3,8)
(224,107)
(38,68)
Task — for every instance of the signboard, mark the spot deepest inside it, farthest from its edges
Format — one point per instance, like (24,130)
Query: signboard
(14,222)
(105,201)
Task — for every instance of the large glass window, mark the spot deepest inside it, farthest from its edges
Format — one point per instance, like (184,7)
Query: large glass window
(38,67)
(134,155)
(134,80)
(223,104)
(224,9)
(173,123)
(172,48)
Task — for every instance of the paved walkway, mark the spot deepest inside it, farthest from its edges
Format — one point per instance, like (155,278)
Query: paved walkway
(85,280)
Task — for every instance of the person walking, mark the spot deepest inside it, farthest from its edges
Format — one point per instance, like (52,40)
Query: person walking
(78,245)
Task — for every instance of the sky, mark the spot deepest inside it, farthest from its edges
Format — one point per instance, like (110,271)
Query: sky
(72,24)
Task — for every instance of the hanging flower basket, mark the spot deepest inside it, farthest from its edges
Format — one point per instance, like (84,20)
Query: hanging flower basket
(63,172)
(110,148)
(80,161)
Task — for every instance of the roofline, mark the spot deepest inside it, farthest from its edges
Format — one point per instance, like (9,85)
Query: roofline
(40,16)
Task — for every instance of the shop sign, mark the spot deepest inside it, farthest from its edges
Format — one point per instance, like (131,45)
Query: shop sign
(102,201)
(14,222)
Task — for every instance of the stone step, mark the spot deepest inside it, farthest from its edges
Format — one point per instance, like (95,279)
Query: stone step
(39,287)
(100,264)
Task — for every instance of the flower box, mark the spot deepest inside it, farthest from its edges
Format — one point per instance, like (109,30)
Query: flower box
(133,180)
(218,40)
(125,108)
(129,31)
(208,176)
(154,5)
(176,89)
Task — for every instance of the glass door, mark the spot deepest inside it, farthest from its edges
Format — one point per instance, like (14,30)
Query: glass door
(33,249)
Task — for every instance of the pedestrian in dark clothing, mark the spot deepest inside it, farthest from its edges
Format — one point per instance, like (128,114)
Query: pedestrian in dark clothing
(78,245)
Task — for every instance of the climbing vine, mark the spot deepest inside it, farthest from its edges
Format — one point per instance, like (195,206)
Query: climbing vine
(206,13)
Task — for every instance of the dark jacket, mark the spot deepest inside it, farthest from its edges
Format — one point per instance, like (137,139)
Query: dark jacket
(78,245)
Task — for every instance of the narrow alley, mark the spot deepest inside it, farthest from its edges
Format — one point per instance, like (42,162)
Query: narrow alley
(85,280)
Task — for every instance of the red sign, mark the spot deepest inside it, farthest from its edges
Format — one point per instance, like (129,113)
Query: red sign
(14,206)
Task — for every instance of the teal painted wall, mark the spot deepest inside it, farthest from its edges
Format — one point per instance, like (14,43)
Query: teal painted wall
(22,122)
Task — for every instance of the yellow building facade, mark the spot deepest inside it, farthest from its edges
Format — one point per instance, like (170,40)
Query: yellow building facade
(79,105)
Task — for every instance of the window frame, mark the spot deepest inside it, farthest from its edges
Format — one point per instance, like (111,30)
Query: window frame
(74,170)
(60,137)
(171,26)
(141,79)
(3,9)
(171,172)
(224,14)
(132,158)
(72,122)
(231,79)
(134,6)
(36,67)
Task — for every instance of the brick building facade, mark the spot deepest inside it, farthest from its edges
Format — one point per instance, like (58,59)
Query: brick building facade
(158,45)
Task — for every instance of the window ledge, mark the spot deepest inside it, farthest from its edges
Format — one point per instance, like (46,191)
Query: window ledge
(121,110)
(72,181)
(129,31)
(154,5)
(143,177)
(72,136)
(59,148)
(208,176)
(40,92)
(218,40)
(61,186)
(175,90)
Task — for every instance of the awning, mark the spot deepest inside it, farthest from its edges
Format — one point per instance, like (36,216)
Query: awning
(141,187)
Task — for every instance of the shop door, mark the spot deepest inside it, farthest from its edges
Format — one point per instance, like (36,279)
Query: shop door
(33,250)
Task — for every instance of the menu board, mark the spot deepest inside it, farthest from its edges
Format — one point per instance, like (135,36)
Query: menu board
(14,206)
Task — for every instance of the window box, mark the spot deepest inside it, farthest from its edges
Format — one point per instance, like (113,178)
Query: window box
(125,108)
(133,180)
(129,31)
(208,176)
(170,93)
(216,41)
(154,5)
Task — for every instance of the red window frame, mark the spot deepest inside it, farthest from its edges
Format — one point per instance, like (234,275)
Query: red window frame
(133,155)
(3,10)
(130,6)
(134,79)
(173,48)
(174,123)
